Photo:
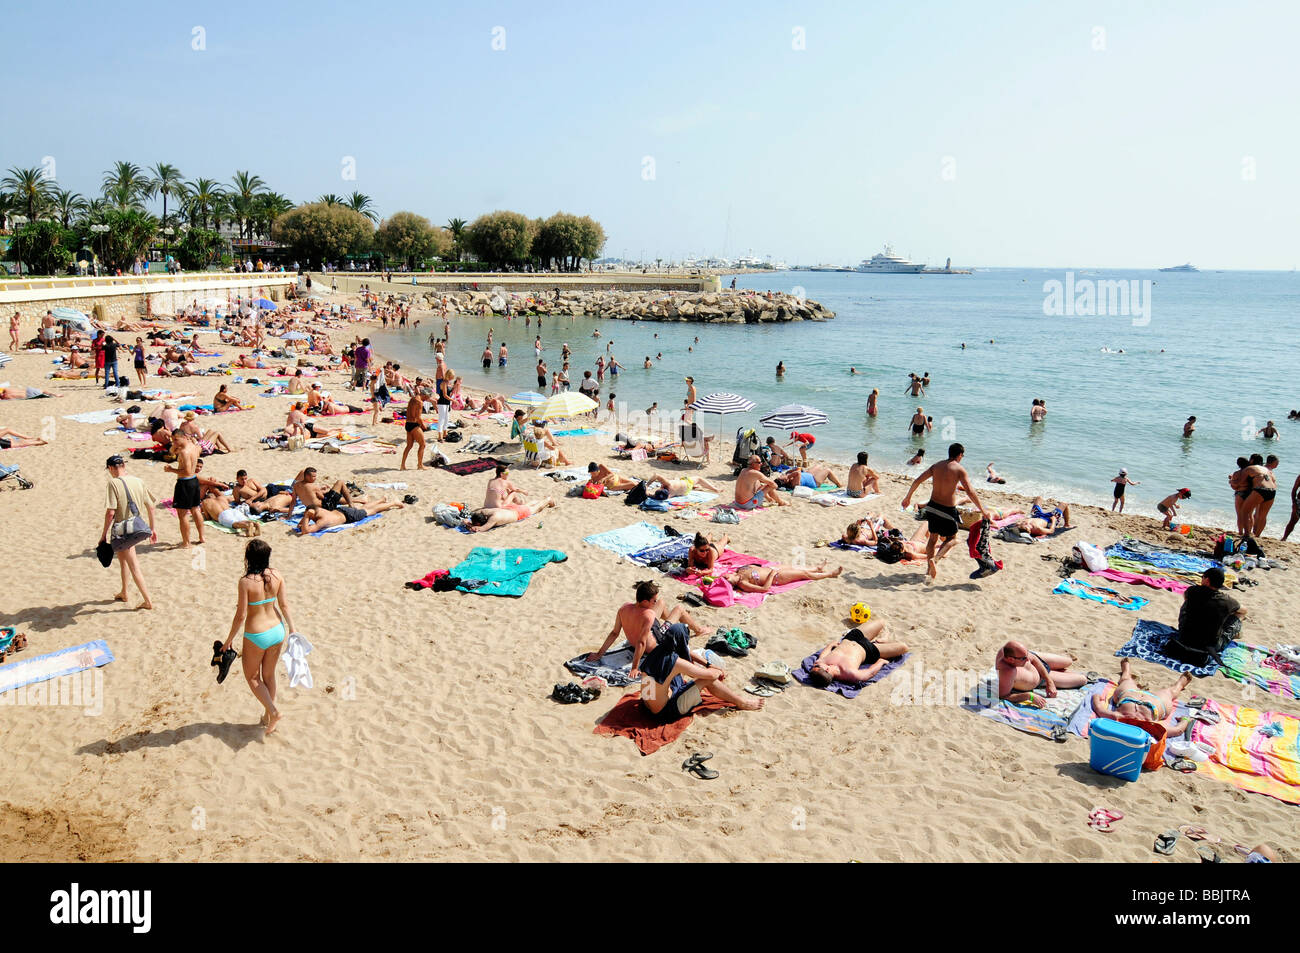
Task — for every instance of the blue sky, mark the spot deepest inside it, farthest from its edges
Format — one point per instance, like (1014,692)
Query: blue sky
(997,134)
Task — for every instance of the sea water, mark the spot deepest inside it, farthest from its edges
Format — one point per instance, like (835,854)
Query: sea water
(1120,378)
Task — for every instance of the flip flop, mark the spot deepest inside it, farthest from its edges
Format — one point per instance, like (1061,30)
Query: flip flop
(1093,677)
(1102,819)
(1208,717)
(1165,842)
(1192,832)
(1184,765)
(695,765)
(216,652)
(763,689)
(1208,855)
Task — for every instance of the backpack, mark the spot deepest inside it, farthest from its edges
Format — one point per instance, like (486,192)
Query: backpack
(636,495)
(1250,547)
(890,549)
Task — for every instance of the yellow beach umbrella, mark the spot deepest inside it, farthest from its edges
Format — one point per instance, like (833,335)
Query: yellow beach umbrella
(566,404)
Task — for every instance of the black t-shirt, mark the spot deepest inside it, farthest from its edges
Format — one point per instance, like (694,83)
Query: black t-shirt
(1202,616)
(110,351)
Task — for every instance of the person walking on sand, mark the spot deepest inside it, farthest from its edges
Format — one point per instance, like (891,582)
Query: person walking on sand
(1121,482)
(126,495)
(13,330)
(260,591)
(414,430)
(941,511)
(186,497)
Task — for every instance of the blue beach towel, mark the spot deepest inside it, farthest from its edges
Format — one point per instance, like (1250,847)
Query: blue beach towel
(1072,587)
(628,539)
(502,572)
(675,548)
(615,666)
(1148,642)
(68,661)
(1164,559)
(847,689)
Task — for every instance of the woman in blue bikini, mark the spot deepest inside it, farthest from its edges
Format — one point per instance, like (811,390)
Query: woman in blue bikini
(264,629)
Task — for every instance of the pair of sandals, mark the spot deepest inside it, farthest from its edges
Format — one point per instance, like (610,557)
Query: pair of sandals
(222,660)
(1103,819)
(1166,842)
(695,765)
(571,693)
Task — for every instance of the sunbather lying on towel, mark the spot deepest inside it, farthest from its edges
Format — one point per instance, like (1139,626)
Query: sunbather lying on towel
(318,518)
(217,508)
(24,393)
(490,518)
(704,552)
(811,476)
(866,531)
(1020,671)
(12,438)
(856,657)
(1130,701)
(679,487)
(763,578)
(661,652)
(610,479)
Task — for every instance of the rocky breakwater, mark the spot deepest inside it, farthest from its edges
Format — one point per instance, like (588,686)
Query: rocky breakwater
(720,307)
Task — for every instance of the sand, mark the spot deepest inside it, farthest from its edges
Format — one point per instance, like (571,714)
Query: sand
(429,734)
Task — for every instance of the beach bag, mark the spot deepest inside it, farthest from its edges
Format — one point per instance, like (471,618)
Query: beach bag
(890,549)
(134,524)
(1117,748)
(593,491)
(447,515)
(1092,557)
(723,515)
(1156,753)
(636,495)
(452,436)
(719,593)
(1250,547)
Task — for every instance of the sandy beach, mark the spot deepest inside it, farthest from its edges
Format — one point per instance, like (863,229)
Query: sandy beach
(429,733)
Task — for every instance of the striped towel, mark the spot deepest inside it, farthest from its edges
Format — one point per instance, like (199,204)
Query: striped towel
(1245,663)
(1264,762)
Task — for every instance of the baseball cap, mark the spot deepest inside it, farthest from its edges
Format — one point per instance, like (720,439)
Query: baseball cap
(115,461)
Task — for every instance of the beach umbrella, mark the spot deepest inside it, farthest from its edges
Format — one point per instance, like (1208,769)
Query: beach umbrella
(793,415)
(566,404)
(722,404)
(69,314)
(528,398)
(294,336)
(264,304)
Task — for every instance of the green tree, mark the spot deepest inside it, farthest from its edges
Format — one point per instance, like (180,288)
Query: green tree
(359,202)
(456,229)
(44,248)
(246,188)
(268,207)
(319,232)
(30,191)
(67,205)
(130,231)
(593,240)
(125,186)
(329,198)
(198,248)
(502,238)
(411,238)
(201,198)
(168,182)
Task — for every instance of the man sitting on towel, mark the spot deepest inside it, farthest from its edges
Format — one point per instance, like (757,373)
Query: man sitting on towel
(1207,621)
(662,653)
(751,486)
(1020,671)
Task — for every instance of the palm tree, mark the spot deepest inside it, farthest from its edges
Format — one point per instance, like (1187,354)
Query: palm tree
(125,184)
(267,208)
(67,204)
(329,198)
(246,187)
(362,203)
(456,227)
(167,181)
(201,198)
(29,189)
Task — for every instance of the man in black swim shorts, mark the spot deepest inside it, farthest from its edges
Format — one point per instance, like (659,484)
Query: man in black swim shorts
(941,511)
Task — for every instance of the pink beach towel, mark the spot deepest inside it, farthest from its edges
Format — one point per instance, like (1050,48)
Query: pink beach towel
(1138,579)
(721,593)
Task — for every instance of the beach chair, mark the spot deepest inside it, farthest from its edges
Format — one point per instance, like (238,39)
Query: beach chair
(534,453)
(7,471)
(691,446)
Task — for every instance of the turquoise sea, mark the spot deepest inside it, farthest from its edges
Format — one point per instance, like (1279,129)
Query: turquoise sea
(1213,344)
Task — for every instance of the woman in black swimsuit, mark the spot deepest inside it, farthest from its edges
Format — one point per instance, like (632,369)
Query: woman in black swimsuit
(918,422)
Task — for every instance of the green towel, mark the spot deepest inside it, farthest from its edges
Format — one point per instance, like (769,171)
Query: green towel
(505,572)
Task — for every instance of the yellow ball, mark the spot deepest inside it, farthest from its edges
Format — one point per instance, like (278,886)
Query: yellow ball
(860,612)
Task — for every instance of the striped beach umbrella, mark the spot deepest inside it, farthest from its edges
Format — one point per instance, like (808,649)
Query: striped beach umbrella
(527,398)
(722,404)
(793,415)
(566,404)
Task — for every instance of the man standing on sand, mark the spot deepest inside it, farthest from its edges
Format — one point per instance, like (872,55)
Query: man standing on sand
(126,496)
(186,497)
(941,511)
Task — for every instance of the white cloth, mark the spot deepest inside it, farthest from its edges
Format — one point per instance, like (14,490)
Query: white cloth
(295,661)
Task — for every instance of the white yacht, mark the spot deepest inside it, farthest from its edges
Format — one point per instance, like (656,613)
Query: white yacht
(887,262)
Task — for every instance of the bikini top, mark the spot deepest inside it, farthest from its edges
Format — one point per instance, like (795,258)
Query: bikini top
(262,602)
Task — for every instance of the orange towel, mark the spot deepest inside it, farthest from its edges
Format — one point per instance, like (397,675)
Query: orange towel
(630,719)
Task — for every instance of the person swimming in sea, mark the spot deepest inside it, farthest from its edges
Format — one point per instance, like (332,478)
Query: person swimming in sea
(994,476)
(919,457)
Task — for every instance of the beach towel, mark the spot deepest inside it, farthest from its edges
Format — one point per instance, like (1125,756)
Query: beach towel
(630,719)
(332,529)
(1073,587)
(95,416)
(1052,721)
(1141,579)
(615,666)
(842,498)
(295,655)
(847,689)
(1263,761)
(1146,569)
(628,539)
(1162,558)
(1148,643)
(466,467)
(1245,663)
(724,594)
(578,432)
(675,547)
(502,572)
(68,661)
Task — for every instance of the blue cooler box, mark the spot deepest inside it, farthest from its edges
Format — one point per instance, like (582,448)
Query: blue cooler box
(1117,749)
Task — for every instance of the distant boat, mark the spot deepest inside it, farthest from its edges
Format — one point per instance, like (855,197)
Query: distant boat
(888,263)
(1187,267)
